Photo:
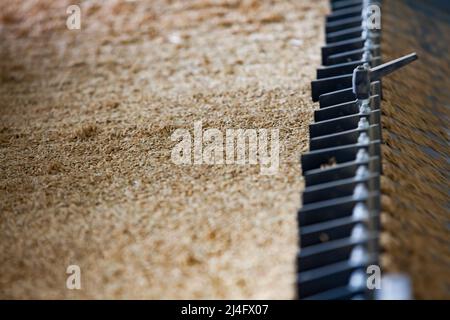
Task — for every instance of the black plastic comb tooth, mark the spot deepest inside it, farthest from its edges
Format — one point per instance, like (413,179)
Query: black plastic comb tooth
(334,229)
(340,47)
(351,55)
(344,138)
(319,158)
(341,124)
(331,84)
(342,24)
(324,254)
(340,171)
(344,109)
(344,68)
(346,95)
(327,210)
(327,278)
(350,33)
(340,188)
(345,13)
(339,5)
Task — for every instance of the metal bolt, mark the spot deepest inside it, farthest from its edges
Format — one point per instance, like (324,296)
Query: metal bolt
(360,192)
(363,123)
(359,232)
(360,211)
(362,155)
(365,108)
(363,138)
(362,172)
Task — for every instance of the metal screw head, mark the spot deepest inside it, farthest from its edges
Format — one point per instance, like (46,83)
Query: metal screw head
(363,138)
(360,211)
(364,108)
(362,172)
(358,255)
(367,55)
(368,44)
(360,192)
(363,123)
(362,155)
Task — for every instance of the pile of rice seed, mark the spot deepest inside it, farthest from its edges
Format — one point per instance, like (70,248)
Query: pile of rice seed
(85,124)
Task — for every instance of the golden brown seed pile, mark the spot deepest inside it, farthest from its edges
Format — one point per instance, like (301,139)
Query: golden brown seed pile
(85,124)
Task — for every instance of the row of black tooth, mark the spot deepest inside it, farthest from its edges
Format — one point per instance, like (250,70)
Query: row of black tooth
(339,219)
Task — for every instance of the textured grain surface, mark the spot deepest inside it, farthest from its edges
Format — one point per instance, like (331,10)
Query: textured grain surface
(416,113)
(85,171)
